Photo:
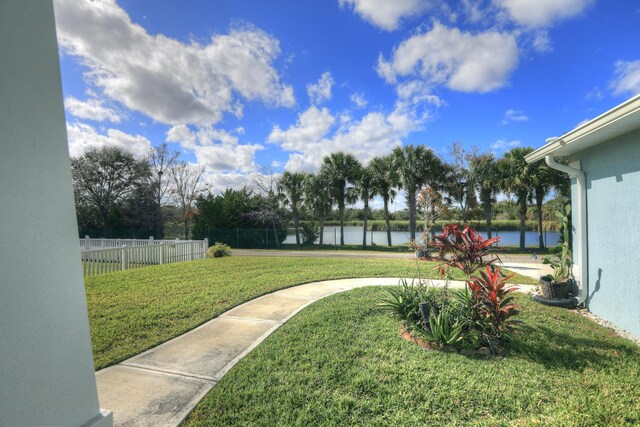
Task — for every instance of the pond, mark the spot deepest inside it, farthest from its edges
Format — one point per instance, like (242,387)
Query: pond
(353,236)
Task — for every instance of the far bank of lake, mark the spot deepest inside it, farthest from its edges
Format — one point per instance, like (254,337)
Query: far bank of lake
(353,236)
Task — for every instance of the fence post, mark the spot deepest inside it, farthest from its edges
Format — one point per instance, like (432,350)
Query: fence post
(161,252)
(191,250)
(123,257)
(87,242)
(206,247)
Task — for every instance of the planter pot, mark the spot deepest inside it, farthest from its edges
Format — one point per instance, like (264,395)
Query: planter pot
(552,290)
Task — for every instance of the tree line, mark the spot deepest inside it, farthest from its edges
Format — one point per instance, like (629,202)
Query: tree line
(115,192)
(468,181)
(118,195)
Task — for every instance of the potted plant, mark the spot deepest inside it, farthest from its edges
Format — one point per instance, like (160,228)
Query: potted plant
(559,284)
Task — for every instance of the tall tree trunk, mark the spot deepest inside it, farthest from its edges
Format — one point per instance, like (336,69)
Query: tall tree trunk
(296,224)
(186,230)
(485,196)
(463,205)
(341,209)
(539,197)
(159,222)
(275,236)
(321,223)
(364,227)
(487,217)
(411,202)
(386,219)
(523,222)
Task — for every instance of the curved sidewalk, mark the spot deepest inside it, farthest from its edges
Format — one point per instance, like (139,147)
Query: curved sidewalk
(161,386)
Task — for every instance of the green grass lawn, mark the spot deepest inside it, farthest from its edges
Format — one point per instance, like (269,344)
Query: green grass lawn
(134,310)
(341,361)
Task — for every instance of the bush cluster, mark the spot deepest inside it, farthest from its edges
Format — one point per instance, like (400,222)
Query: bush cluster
(218,250)
(481,315)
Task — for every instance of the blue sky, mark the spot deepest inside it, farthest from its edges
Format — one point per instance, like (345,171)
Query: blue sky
(234,85)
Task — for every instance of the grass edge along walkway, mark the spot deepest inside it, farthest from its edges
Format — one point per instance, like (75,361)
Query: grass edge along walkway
(172,378)
(341,362)
(134,310)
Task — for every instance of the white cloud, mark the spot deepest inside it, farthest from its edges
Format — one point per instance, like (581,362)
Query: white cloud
(320,91)
(358,100)
(170,81)
(541,42)
(514,116)
(215,149)
(224,157)
(541,13)
(504,145)
(386,14)
(311,127)
(82,136)
(447,56)
(219,182)
(626,80)
(91,109)
(309,140)
(415,92)
(473,10)
(594,94)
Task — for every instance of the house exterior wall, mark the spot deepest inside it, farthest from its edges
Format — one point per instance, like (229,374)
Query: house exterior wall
(46,363)
(613,205)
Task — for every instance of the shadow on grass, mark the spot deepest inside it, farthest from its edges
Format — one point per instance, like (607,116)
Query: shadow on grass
(555,349)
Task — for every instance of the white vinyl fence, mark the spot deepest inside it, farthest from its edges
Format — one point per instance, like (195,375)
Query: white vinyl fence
(108,255)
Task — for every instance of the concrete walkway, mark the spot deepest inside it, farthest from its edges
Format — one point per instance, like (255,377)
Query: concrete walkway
(161,386)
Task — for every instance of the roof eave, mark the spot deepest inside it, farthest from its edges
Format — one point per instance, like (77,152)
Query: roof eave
(571,140)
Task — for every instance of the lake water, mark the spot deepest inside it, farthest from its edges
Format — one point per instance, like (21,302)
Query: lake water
(353,236)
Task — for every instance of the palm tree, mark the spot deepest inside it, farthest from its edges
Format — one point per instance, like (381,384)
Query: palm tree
(457,185)
(545,179)
(342,170)
(384,180)
(517,179)
(291,187)
(483,175)
(416,166)
(365,192)
(317,198)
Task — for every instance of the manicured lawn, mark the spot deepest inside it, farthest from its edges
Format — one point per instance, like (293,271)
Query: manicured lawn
(134,310)
(341,362)
(350,248)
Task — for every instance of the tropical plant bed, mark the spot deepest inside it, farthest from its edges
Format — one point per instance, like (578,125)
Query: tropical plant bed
(407,335)
(473,319)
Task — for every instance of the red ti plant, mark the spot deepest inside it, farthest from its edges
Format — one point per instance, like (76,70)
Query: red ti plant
(493,305)
(464,249)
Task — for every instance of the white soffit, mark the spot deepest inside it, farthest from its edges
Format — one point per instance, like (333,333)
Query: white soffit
(618,121)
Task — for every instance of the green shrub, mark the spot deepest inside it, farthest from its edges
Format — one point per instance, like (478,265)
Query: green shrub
(218,250)
(310,232)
